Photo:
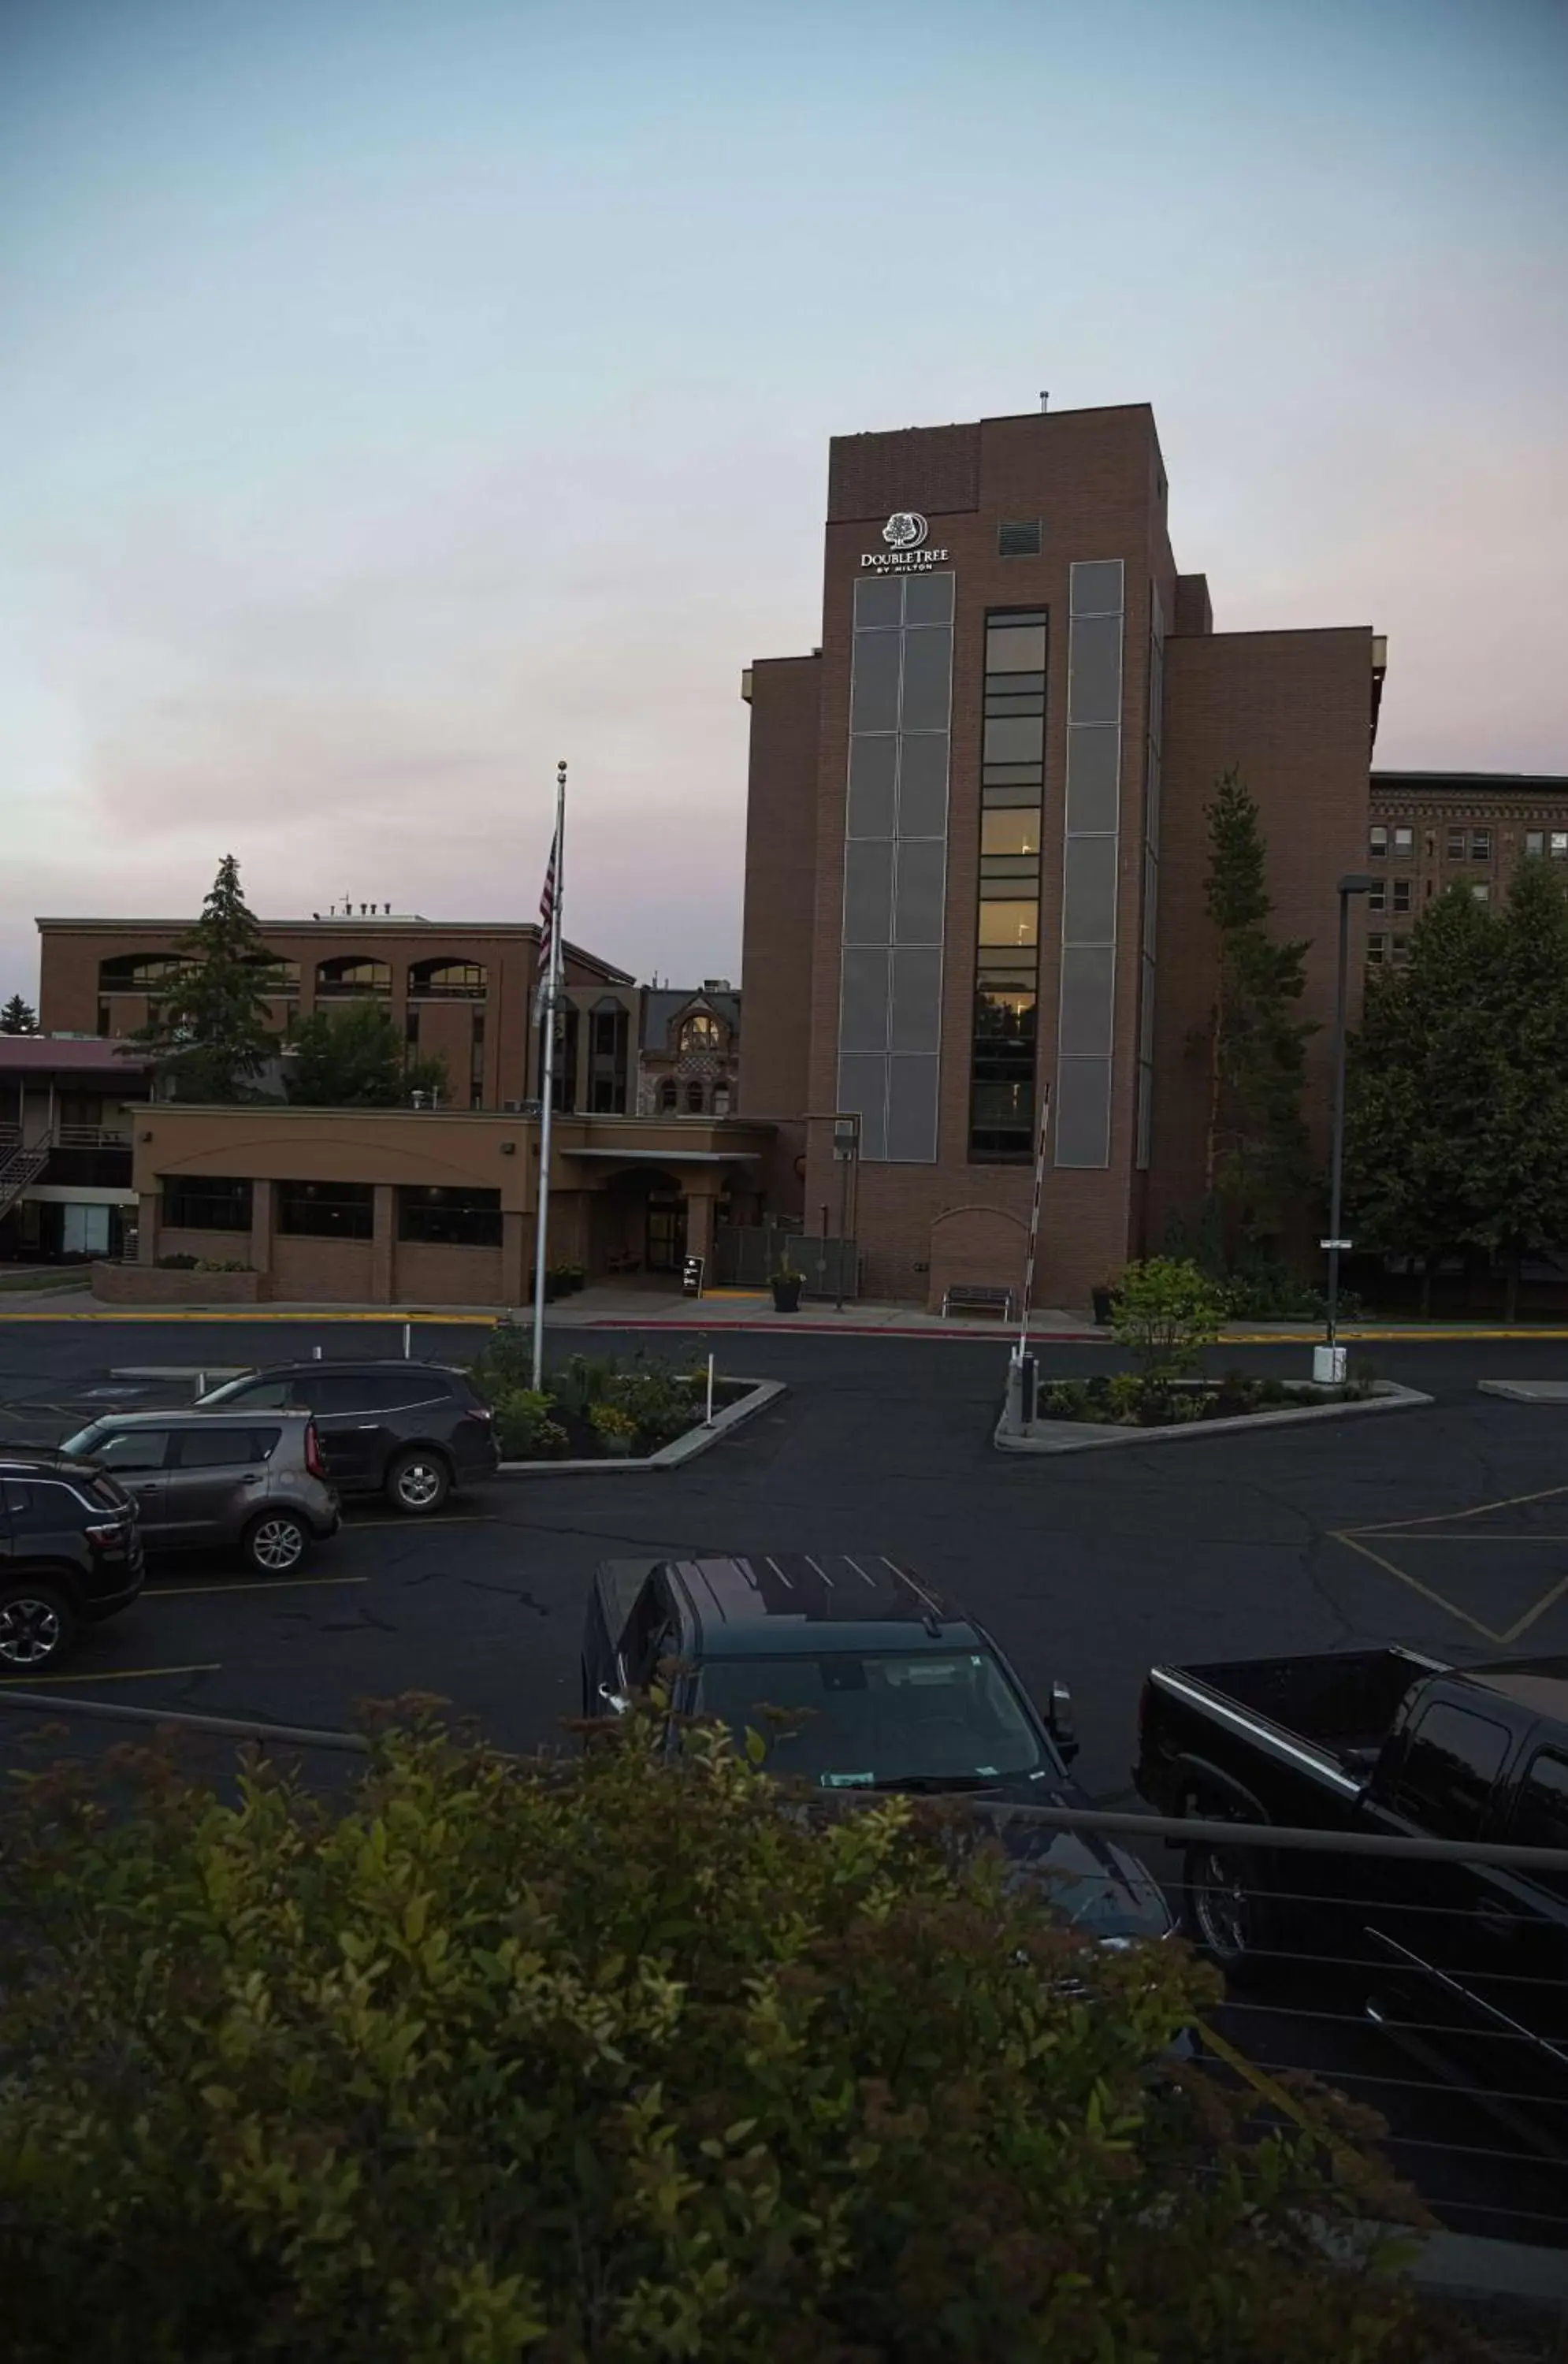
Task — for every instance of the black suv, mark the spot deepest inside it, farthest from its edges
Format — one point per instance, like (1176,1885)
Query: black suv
(415,1430)
(69,1553)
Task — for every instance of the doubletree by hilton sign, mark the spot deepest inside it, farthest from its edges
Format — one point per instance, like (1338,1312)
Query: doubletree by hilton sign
(907,551)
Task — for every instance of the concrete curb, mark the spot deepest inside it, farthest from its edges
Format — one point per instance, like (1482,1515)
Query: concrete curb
(1077,1437)
(686,1448)
(1536,1391)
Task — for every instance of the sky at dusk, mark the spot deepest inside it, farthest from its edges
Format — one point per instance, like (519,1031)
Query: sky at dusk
(395,397)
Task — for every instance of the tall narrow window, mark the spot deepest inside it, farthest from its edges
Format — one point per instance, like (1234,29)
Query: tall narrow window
(895,865)
(1081,1117)
(1006,983)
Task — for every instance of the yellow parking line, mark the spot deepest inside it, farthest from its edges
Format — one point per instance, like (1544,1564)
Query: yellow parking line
(261,1584)
(1346,2162)
(1347,1535)
(120,1675)
(1451,1518)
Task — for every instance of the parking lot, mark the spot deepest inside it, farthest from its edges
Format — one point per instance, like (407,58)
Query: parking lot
(1445,1529)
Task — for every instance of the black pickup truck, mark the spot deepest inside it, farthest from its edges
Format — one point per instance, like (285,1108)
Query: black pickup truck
(1465,1962)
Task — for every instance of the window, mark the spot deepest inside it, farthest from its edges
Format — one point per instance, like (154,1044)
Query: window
(333,1210)
(139,972)
(1481,845)
(1559,845)
(1404,838)
(667,1094)
(1018,538)
(721,1100)
(1482,892)
(447,1218)
(254,1394)
(1456,845)
(1401,894)
(1535,843)
(103,1026)
(411,1033)
(216,1445)
(349,976)
(1377,896)
(452,980)
(693,1100)
(206,1203)
(476,1061)
(1399,951)
(1377,951)
(1012,793)
(1540,1816)
(133,1448)
(1377,840)
(606,1033)
(700,1033)
(1452,1761)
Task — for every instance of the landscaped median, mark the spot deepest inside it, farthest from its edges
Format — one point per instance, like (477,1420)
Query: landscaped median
(595,1413)
(1166,1313)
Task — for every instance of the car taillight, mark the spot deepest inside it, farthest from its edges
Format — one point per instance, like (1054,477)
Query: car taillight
(312,1460)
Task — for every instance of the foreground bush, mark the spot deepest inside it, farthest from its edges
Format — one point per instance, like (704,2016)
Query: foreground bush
(615,2058)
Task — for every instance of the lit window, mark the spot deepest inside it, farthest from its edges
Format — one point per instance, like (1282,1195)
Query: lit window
(1404,838)
(700,1033)
(1009,923)
(1559,845)
(1482,892)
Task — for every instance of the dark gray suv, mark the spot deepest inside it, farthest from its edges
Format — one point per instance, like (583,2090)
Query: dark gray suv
(254,1483)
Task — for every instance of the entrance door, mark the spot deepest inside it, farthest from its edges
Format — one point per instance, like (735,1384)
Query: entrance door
(666,1230)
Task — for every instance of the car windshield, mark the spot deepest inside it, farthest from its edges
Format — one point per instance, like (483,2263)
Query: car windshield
(86,1440)
(946,1718)
(230,1390)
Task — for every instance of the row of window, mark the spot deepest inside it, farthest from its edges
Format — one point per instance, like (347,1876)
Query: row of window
(455,980)
(1463,844)
(337,1210)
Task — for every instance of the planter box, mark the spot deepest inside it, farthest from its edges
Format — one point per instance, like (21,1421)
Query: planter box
(1088,1436)
(697,1439)
(151,1283)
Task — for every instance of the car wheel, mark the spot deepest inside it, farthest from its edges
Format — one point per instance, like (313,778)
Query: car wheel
(418,1480)
(276,1543)
(37,1623)
(1223,1912)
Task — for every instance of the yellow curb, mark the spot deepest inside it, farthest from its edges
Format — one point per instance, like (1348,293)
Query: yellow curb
(126,1675)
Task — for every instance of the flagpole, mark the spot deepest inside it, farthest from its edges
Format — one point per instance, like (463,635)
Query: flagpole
(550,988)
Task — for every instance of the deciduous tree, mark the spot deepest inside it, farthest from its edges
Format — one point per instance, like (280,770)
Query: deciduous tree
(351,1057)
(1523,1161)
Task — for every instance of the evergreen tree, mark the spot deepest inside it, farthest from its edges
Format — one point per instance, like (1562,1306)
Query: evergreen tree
(18,1017)
(1523,1165)
(1255,1145)
(352,1058)
(1422,1080)
(209,1028)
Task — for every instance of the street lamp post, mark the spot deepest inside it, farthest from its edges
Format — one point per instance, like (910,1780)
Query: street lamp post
(1327,1357)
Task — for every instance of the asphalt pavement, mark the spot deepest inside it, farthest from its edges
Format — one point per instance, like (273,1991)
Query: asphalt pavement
(1444,1528)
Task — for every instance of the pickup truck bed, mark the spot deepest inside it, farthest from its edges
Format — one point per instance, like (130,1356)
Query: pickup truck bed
(1340,1703)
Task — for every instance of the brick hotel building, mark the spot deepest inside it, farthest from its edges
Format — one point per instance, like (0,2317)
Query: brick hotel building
(976,848)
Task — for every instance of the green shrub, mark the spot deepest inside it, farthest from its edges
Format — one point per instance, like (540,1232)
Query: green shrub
(1065,1399)
(223,1264)
(583,1381)
(661,1404)
(624,2057)
(524,1429)
(504,1361)
(611,1425)
(177,1264)
(1123,1395)
(1165,1313)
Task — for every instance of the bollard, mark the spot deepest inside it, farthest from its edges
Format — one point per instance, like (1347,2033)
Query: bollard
(407,1340)
(708,1421)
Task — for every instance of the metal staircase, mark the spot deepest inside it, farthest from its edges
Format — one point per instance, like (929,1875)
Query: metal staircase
(18,1167)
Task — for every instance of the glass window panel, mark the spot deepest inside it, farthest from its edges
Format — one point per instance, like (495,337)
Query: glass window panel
(1083,1112)
(1003,776)
(923,785)
(878,601)
(1001,1017)
(1087,990)
(1005,794)
(862,1091)
(863,1012)
(928,677)
(1093,767)
(1088,900)
(1003,1104)
(1011,830)
(1096,588)
(1017,738)
(912,1109)
(927,598)
(917,1000)
(868,891)
(1093,670)
(999,971)
(873,704)
(871,787)
(922,871)
(1014,922)
(1014,693)
(1015,648)
(1005,873)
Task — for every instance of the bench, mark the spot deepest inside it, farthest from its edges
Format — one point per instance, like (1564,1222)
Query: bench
(978,1296)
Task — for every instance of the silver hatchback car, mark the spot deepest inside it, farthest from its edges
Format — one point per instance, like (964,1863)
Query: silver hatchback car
(254,1483)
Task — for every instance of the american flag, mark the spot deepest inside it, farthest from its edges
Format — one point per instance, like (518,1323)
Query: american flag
(547,915)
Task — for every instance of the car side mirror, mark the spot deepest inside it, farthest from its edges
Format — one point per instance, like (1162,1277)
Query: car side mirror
(1059,1721)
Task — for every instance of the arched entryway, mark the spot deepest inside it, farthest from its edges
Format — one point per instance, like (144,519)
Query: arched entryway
(645,1219)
